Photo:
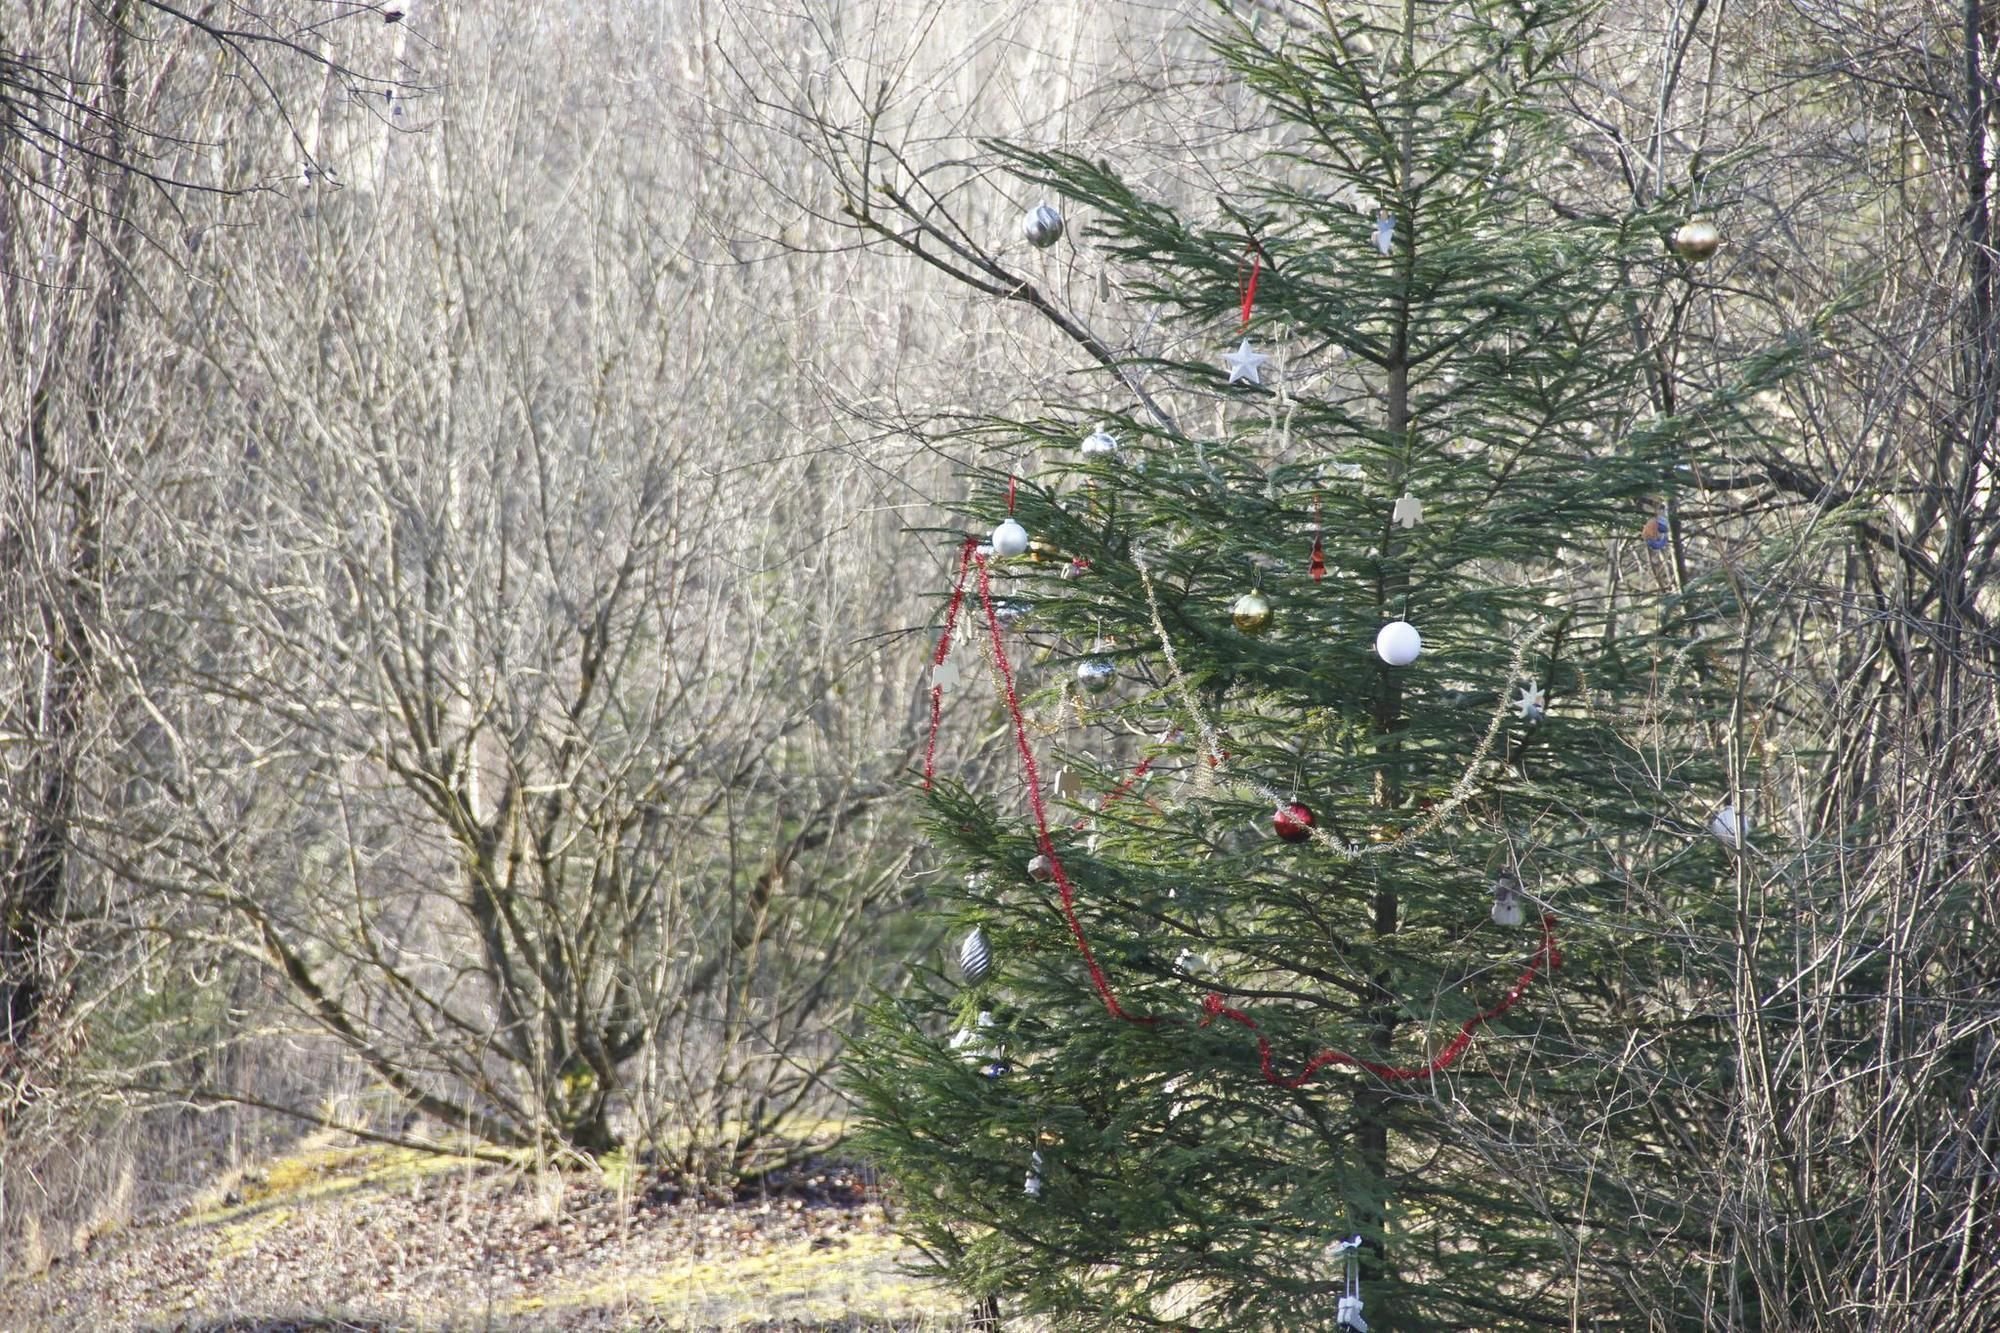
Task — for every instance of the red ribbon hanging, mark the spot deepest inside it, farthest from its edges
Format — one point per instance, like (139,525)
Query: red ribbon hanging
(1250,284)
(1117,793)
(1318,569)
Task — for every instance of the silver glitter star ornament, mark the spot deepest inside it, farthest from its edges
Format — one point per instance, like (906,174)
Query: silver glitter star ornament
(1245,364)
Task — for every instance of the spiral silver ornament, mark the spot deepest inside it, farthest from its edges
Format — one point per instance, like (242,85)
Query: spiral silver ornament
(975,956)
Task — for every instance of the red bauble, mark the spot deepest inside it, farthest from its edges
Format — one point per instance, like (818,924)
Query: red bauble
(1293,822)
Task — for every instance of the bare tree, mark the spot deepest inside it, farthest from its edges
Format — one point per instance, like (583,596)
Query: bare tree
(509,691)
(57,126)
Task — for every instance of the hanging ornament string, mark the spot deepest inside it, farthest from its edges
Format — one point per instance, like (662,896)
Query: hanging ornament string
(1118,793)
(943,651)
(1065,890)
(1012,482)
(1318,567)
(1250,283)
(1546,958)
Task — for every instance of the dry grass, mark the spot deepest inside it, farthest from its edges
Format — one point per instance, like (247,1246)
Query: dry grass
(333,1236)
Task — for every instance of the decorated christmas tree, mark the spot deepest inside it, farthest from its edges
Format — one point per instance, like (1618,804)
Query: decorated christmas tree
(1360,799)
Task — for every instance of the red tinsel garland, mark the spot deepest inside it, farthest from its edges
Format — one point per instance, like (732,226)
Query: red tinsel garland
(943,651)
(1546,958)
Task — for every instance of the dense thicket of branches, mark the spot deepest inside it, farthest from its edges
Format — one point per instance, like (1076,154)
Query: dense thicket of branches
(438,671)
(452,613)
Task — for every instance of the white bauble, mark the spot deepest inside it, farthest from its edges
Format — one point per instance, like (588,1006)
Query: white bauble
(1010,539)
(1398,643)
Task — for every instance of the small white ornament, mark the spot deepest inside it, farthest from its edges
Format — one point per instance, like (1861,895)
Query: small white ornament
(1385,234)
(1010,539)
(1100,443)
(1040,868)
(1347,1313)
(976,1041)
(1530,703)
(1729,827)
(1190,962)
(1043,226)
(946,675)
(975,956)
(1507,901)
(1408,513)
(1398,643)
(1032,1186)
(1245,364)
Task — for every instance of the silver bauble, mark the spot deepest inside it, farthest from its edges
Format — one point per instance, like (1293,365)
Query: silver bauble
(1011,613)
(1095,675)
(1043,226)
(975,956)
(1100,443)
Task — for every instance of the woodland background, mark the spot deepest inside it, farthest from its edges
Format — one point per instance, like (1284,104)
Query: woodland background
(468,547)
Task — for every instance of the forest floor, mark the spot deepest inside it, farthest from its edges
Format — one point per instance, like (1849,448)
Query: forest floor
(378,1239)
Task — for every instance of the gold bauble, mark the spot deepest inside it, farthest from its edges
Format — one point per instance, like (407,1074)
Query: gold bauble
(1252,613)
(1696,239)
